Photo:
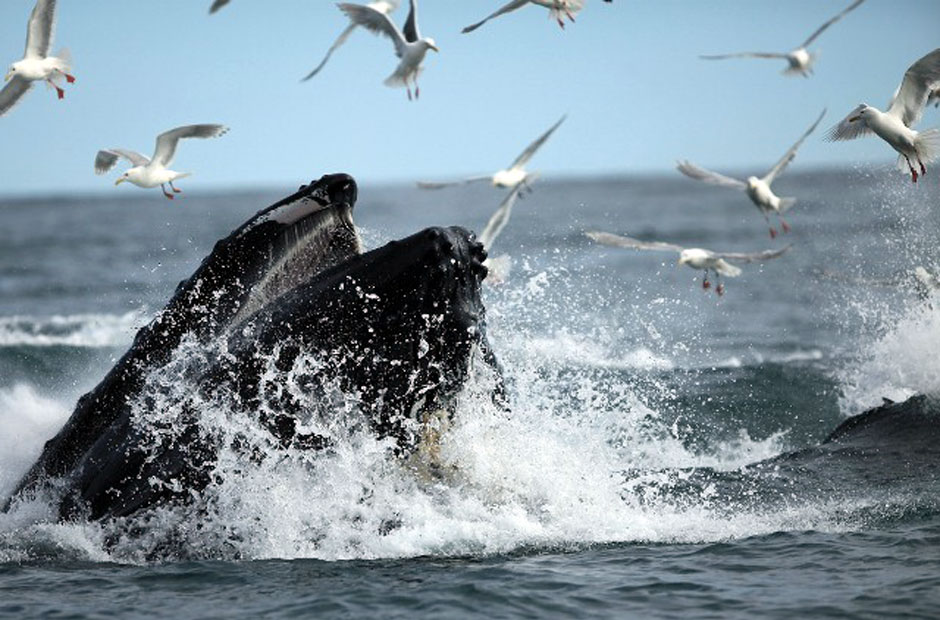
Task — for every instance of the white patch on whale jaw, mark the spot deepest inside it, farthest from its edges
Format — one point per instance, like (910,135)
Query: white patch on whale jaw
(314,246)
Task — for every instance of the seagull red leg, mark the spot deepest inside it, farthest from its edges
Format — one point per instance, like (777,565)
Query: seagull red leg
(784,225)
(166,193)
(705,283)
(58,90)
(173,187)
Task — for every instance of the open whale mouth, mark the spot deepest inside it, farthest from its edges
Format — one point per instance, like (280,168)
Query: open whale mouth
(293,240)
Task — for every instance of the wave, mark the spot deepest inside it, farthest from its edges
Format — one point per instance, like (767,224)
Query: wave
(77,330)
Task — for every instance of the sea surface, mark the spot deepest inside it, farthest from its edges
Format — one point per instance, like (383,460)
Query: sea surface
(661,459)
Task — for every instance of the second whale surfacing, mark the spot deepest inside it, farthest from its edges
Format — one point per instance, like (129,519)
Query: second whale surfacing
(398,330)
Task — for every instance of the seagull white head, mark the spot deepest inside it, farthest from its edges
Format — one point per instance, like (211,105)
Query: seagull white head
(10,72)
(862,112)
(130,175)
(431,44)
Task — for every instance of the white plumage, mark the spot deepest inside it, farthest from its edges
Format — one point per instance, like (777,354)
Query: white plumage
(512,176)
(36,64)
(800,61)
(895,126)
(410,46)
(757,189)
(696,258)
(151,172)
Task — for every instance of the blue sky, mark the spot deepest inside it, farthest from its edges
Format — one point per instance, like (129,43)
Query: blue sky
(626,73)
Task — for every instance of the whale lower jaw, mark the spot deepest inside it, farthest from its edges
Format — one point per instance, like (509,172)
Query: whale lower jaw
(396,328)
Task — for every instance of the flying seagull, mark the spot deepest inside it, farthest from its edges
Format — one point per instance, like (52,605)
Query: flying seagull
(558,10)
(499,265)
(382,6)
(410,46)
(696,258)
(218,4)
(36,63)
(895,126)
(148,172)
(513,176)
(800,60)
(757,189)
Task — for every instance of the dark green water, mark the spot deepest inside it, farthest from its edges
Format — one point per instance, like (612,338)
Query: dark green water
(662,457)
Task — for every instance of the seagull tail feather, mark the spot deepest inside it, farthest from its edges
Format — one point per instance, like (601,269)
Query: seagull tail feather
(786,204)
(65,57)
(927,145)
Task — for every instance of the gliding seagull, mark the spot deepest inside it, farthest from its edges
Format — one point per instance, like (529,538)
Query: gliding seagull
(800,61)
(921,82)
(410,46)
(757,189)
(499,265)
(382,6)
(218,4)
(152,172)
(512,176)
(36,63)
(558,9)
(696,258)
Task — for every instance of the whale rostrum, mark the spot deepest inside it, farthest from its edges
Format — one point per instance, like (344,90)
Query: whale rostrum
(398,327)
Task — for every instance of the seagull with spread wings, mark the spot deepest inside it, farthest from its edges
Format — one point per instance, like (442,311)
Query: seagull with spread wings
(36,64)
(385,7)
(895,126)
(696,258)
(147,172)
(558,10)
(800,60)
(499,266)
(512,176)
(410,46)
(757,189)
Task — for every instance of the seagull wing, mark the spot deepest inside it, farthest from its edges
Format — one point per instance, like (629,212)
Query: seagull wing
(376,22)
(440,184)
(500,217)
(848,129)
(781,165)
(530,150)
(411,31)
(218,4)
(506,8)
(40,29)
(12,93)
(743,55)
(619,241)
(166,141)
(753,257)
(712,178)
(107,158)
(338,42)
(916,87)
(839,16)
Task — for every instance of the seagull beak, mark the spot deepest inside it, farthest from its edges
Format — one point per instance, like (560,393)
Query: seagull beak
(8,76)
(434,47)
(120,180)
(852,119)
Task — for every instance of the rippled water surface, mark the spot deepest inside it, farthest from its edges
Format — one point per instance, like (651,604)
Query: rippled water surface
(622,483)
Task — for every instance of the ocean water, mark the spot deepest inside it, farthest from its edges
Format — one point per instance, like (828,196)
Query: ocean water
(661,457)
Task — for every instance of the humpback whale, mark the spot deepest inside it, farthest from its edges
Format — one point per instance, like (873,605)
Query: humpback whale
(399,327)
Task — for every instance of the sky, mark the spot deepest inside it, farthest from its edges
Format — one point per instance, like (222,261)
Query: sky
(626,74)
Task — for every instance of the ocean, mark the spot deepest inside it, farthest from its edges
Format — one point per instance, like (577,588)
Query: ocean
(662,454)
